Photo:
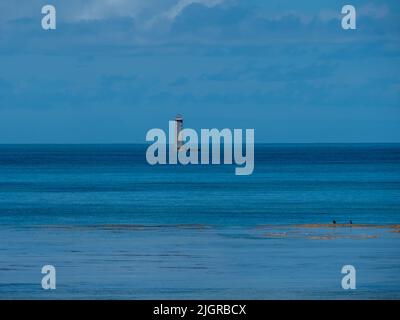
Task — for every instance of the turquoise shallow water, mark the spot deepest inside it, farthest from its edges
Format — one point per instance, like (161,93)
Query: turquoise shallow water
(116,227)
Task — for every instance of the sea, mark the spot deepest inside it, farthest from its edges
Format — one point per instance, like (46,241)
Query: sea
(115,227)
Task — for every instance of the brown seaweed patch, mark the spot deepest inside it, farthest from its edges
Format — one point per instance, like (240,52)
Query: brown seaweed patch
(276,235)
(322,237)
(333,237)
(317,236)
(330,226)
(347,225)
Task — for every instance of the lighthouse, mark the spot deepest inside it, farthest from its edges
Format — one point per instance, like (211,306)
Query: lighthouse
(178,130)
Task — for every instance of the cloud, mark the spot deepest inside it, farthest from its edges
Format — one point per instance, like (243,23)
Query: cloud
(166,18)
(78,10)
(182,4)
(138,9)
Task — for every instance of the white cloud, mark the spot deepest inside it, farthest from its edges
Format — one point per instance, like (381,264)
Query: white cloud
(182,4)
(143,10)
(103,9)
(76,10)
(168,16)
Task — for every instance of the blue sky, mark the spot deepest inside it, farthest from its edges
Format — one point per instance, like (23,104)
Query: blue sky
(115,69)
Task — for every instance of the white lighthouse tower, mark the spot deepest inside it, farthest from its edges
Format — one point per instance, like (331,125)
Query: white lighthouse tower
(178,130)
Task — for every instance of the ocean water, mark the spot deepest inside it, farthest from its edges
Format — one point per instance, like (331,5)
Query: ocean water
(117,228)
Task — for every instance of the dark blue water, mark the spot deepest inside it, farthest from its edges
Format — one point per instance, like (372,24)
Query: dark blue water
(42,184)
(115,227)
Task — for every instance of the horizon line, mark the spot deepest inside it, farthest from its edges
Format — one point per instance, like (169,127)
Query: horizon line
(148,143)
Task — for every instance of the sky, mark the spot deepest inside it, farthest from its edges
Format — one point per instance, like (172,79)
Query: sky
(114,69)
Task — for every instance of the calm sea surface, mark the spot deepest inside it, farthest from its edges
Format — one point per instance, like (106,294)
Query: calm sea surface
(116,227)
